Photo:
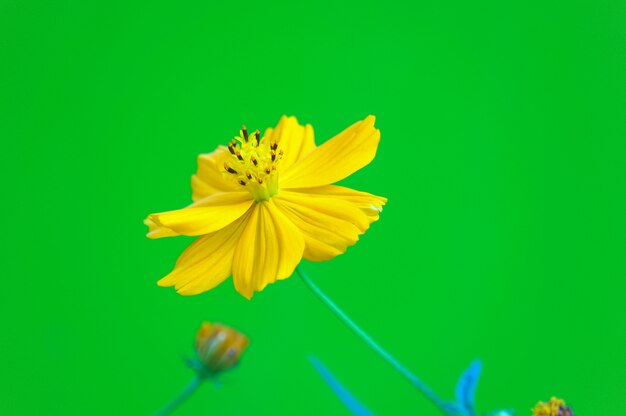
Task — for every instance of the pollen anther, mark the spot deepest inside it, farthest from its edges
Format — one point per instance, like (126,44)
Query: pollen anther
(229,169)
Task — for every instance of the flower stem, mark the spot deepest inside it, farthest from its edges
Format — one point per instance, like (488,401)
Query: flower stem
(184,395)
(373,344)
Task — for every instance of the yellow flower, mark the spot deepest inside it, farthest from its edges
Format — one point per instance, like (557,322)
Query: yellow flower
(555,407)
(219,347)
(262,204)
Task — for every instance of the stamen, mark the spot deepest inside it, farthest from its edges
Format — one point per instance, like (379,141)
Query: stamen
(255,164)
(229,169)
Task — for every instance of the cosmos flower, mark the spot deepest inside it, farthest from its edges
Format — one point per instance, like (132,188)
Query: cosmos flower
(218,348)
(261,204)
(555,407)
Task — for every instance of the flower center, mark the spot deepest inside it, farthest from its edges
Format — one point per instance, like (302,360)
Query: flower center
(253,164)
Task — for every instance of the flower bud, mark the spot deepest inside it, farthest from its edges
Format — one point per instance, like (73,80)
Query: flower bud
(218,347)
(555,407)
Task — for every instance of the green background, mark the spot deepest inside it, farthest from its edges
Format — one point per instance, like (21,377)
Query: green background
(502,155)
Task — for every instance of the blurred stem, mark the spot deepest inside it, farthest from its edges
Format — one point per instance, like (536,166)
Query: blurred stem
(184,395)
(373,344)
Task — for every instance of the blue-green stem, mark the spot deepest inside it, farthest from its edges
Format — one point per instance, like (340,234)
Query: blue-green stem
(373,344)
(184,395)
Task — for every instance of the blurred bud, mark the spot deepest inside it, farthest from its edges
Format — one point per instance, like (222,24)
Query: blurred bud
(555,407)
(218,347)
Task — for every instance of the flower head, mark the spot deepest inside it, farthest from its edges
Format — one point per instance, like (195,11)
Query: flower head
(219,347)
(262,203)
(555,407)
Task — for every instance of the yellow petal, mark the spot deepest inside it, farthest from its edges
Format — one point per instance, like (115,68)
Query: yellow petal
(207,262)
(209,178)
(269,249)
(206,215)
(294,140)
(371,205)
(154,231)
(329,224)
(336,159)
